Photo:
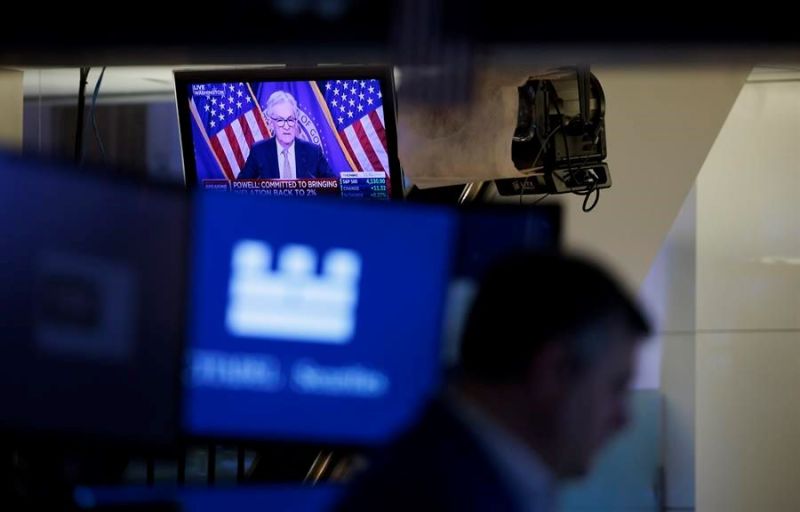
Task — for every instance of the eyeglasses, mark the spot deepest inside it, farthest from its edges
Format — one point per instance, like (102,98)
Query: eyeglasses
(283,122)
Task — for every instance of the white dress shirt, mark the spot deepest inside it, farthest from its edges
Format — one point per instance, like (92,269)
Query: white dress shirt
(292,174)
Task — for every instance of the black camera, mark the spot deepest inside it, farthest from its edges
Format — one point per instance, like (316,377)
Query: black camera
(560,139)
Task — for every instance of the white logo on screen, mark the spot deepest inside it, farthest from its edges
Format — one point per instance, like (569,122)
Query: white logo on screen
(294,302)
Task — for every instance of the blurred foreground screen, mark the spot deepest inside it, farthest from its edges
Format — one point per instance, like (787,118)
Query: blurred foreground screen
(314,320)
(92,305)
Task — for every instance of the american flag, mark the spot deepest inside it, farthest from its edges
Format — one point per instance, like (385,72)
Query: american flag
(233,121)
(356,107)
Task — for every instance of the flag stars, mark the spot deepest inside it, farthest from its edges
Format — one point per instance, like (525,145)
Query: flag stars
(369,101)
(230,99)
(239,94)
(213,123)
(362,84)
(327,86)
(380,95)
(341,120)
(335,103)
(221,117)
(238,104)
(230,110)
(341,108)
(336,91)
(360,107)
(207,107)
(371,89)
(361,96)
(231,87)
(214,112)
(353,90)
(247,99)
(352,103)
(213,101)
(349,113)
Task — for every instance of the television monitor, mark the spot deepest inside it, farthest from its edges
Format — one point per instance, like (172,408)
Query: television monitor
(93,300)
(485,233)
(325,131)
(313,321)
(488,231)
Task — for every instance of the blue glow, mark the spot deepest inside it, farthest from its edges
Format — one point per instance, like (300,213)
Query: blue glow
(314,320)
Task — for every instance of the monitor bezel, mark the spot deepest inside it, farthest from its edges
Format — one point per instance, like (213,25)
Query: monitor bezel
(383,73)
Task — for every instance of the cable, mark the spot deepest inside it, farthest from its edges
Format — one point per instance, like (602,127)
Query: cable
(39,113)
(542,145)
(593,187)
(94,118)
(84,73)
(540,199)
(563,134)
(522,188)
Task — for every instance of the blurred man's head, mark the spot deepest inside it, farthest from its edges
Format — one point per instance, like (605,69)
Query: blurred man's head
(281,110)
(548,349)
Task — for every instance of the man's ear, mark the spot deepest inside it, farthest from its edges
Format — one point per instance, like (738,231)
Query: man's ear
(549,374)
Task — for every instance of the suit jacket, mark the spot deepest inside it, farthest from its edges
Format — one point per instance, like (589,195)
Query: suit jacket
(262,162)
(437,466)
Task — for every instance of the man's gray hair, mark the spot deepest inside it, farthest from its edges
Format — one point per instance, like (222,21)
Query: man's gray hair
(279,97)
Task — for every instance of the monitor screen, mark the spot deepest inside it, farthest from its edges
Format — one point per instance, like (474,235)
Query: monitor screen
(314,320)
(485,233)
(93,302)
(290,132)
(489,231)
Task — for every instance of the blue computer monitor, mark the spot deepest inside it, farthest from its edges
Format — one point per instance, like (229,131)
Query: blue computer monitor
(313,320)
(93,297)
(325,131)
(487,232)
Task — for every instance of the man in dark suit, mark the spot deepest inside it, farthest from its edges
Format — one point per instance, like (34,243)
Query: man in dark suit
(546,359)
(284,156)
